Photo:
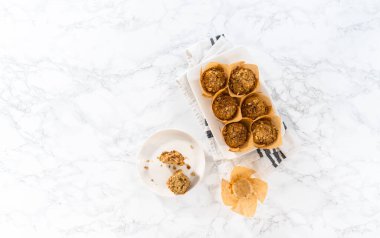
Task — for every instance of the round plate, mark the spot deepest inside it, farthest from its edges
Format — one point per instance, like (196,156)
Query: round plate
(155,174)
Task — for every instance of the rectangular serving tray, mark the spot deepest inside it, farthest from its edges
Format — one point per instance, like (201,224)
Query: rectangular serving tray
(231,56)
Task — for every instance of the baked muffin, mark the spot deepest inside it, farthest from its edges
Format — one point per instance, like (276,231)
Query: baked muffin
(254,106)
(225,107)
(214,79)
(235,134)
(178,183)
(264,132)
(172,157)
(242,80)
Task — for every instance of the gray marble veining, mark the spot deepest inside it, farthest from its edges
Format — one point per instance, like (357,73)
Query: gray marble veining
(84,83)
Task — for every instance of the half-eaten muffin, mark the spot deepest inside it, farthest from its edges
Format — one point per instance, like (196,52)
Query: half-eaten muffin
(178,183)
(172,157)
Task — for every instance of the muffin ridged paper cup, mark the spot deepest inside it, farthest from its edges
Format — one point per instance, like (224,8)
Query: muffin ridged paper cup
(247,122)
(210,65)
(237,115)
(251,67)
(276,122)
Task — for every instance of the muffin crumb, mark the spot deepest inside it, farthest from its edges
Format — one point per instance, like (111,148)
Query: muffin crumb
(146,167)
(192,173)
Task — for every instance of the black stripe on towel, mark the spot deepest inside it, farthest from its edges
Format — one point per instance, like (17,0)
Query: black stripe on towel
(260,153)
(267,152)
(209,134)
(282,154)
(277,156)
(216,38)
(285,125)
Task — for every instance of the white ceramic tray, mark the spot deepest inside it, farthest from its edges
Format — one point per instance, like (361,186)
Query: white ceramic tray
(234,55)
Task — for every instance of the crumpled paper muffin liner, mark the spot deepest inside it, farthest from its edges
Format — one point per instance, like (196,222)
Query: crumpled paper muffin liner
(241,198)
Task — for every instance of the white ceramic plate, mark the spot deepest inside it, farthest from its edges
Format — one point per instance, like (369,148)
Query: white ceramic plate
(157,174)
(234,55)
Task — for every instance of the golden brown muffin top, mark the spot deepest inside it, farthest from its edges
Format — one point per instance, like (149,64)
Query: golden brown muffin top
(253,107)
(225,107)
(264,133)
(235,134)
(214,79)
(242,81)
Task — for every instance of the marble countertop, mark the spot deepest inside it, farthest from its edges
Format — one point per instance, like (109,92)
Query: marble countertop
(84,83)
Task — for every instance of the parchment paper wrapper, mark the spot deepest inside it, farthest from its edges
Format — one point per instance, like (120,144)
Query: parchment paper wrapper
(249,143)
(243,190)
(263,97)
(276,122)
(208,66)
(252,67)
(237,116)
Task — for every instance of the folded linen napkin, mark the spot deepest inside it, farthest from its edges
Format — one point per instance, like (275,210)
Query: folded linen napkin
(261,160)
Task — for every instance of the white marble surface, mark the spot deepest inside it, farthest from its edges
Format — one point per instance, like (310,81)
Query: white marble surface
(84,83)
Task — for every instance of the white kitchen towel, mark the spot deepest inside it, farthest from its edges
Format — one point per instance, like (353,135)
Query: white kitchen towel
(207,48)
(261,160)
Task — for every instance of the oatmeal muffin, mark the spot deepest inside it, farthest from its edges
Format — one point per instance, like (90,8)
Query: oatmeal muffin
(172,157)
(214,79)
(242,81)
(264,132)
(178,183)
(225,107)
(254,106)
(235,134)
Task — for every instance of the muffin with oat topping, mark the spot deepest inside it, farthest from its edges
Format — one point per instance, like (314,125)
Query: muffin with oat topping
(264,132)
(224,106)
(243,79)
(255,105)
(213,78)
(235,134)
(178,183)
